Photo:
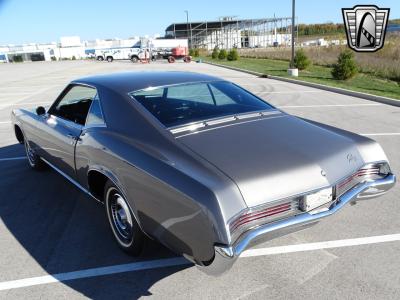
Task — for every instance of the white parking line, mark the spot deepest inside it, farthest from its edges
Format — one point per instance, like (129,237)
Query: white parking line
(381,134)
(22,104)
(331,105)
(60,277)
(261,84)
(13,158)
(291,92)
(14,93)
(179,261)
(322,245)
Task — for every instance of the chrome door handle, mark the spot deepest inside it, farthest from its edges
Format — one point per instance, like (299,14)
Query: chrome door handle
(73,138)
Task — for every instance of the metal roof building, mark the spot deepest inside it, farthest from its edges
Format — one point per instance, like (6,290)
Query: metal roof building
(229,32)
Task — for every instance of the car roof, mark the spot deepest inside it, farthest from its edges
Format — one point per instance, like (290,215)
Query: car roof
(133,81)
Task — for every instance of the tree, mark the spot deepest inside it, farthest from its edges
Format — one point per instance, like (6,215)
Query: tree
(301,61)
(215,52)
(233,55)
(346,66)
(222,54)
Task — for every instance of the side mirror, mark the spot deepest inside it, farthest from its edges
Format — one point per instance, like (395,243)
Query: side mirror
(40,111)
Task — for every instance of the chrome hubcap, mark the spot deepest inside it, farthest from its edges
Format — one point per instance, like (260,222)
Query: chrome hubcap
(30,154)
(121,216)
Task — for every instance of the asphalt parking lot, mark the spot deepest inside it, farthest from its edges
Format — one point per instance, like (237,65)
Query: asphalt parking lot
(49,227)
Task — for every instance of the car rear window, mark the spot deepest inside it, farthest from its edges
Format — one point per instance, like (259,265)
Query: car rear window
(181,104)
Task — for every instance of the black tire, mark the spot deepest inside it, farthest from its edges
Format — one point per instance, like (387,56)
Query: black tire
(124,226)
(110,58)
(134,59)
(34,160)
(100,58)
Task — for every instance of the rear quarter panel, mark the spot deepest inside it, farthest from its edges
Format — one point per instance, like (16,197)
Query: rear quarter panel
(171,206)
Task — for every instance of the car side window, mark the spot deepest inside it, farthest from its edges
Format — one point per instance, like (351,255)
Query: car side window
(74,105)
(95,115)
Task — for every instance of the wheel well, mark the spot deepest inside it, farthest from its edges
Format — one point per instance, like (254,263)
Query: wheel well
(96,183)
(18,134)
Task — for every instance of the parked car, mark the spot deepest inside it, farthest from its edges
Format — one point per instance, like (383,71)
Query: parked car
(198,163)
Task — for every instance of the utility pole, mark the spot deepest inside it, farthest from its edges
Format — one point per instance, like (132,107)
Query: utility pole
(187,28)
(293,26)
(292,71)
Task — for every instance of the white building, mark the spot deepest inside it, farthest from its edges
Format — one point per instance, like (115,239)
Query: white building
(73,48)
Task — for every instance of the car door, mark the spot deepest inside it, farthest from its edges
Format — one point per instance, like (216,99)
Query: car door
(63,126)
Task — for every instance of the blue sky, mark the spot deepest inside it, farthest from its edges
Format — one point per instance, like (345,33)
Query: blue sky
(25,21)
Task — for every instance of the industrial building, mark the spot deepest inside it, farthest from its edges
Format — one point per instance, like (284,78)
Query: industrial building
(229,32)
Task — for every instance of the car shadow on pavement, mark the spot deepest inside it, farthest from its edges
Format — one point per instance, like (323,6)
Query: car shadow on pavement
(64,230)
(11,151)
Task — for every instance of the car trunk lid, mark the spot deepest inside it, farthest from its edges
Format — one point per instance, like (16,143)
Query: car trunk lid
(275,156)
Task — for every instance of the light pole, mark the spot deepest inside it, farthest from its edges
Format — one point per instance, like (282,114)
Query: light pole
(187,28)
(293,26)
(292,70)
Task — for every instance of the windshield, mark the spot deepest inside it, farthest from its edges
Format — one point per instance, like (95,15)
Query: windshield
(181,104)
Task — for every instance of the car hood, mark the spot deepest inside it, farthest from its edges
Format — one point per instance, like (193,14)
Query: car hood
(277,156)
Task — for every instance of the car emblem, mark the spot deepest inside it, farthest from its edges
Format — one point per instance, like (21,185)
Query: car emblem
(323,173)
(351,158)
(365,27)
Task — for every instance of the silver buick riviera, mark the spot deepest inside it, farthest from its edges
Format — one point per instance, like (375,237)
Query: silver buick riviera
(198,163)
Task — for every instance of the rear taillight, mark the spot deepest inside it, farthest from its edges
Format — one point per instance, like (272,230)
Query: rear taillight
(262,215)
(367,172)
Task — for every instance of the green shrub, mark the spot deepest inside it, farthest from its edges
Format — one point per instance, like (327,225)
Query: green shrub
(301,61)
(73,57)
(202,51)
(215,52)
(53,58)
(222,54)
(233,55)
(346,67)
(191,52)
(17,58)
(196,53)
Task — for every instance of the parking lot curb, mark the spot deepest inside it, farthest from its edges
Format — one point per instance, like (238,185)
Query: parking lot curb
(236,69)
(361,95)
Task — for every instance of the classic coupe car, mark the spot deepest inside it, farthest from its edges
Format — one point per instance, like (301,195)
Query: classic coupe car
(198,163)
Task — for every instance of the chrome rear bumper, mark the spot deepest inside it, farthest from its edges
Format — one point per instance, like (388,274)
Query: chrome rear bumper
(225,256)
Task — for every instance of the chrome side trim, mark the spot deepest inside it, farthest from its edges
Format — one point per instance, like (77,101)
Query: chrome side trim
(226,125)
(71,180)
(225,256)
